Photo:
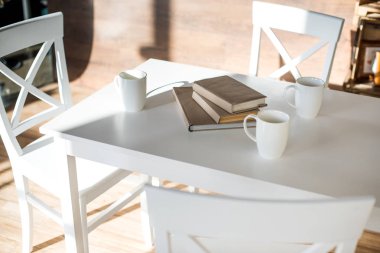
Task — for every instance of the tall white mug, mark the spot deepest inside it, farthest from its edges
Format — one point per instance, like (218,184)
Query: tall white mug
(272,130)
(131,86)
(308,96)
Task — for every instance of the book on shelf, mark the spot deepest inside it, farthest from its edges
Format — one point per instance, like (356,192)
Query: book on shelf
(229,94)
(220,115)
(195,117)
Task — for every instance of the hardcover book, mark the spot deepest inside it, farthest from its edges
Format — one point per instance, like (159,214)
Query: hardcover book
(229,94)
(219,115)
(195,117)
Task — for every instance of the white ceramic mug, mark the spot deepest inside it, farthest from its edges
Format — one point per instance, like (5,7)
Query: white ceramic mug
(272,130)
(131,85)
(308,96)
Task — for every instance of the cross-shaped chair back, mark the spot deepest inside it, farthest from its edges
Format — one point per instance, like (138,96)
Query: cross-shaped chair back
(23,35)
(185,222)
(268,16)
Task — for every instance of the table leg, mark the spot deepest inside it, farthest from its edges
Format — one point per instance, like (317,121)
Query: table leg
(145,223)
(70,204)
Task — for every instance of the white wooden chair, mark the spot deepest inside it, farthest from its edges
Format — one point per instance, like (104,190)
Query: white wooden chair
(268,16)
(37,161)
(185,222)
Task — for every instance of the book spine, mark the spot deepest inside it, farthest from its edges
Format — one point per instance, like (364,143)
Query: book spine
(213,98)
(206,107)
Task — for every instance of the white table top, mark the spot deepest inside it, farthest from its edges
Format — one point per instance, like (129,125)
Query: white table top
(336,154)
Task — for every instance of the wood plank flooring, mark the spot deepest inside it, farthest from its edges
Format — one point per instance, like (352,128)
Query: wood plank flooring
(121,233)
(115,35)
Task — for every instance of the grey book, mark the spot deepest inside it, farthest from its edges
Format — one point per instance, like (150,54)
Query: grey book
(195,117)
(229,94)
(220,115)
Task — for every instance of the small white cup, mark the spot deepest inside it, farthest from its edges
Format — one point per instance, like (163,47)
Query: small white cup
(272,130)
(131,86)
(308,96)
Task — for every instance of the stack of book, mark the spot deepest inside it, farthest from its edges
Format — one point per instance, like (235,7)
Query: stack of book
(217,103)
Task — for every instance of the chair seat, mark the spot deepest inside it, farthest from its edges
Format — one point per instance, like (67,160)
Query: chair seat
(40,166)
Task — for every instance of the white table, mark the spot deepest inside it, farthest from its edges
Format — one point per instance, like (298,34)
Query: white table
(336,154)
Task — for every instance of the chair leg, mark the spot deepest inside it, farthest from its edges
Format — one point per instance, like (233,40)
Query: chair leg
(145,223)
(162,243)
(83,214)
(26,212)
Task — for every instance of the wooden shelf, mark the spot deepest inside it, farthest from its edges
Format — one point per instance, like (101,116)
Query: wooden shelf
(367,8)
(365,88)
(366,42)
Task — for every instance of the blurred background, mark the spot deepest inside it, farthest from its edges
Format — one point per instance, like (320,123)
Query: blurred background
(103,38)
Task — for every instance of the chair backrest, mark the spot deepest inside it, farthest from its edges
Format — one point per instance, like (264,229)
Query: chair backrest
(203,223)
(268,16)
(47,30)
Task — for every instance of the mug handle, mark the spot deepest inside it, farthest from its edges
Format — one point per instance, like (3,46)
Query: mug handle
(250,116)
(287,88)
(117,84)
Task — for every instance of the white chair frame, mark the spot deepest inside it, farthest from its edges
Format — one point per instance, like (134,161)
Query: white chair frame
(266,16)
(316,226)
(25,161)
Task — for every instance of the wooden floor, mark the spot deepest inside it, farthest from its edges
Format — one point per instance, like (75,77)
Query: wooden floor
(104,43)
(115,35)
(121,233)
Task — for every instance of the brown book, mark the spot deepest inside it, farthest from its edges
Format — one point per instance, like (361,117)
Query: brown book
(195,117)
(219,115)
(229,94)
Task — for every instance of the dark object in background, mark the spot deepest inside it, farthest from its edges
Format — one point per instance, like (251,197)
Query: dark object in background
(12,11)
